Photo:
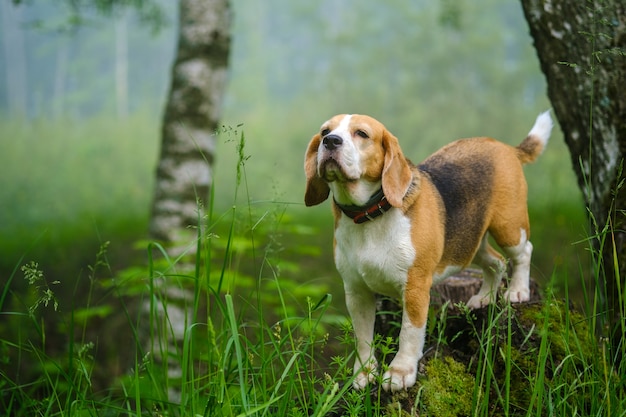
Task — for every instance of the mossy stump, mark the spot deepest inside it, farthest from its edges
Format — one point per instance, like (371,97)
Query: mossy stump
(502,343)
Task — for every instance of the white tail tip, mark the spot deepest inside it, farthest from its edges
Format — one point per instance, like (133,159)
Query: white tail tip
(542,127)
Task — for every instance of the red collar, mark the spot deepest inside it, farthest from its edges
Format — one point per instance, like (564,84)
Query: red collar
(376,206)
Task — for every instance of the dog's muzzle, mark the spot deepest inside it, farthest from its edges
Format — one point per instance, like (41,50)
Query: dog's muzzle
(335,162)
(332,142)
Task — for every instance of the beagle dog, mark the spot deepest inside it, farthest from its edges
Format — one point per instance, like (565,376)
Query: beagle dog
(401,227)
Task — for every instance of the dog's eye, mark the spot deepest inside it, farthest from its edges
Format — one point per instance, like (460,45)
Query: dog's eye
(325,132)
(362,134)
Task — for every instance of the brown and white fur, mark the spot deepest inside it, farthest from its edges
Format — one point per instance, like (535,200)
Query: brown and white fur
(441,214)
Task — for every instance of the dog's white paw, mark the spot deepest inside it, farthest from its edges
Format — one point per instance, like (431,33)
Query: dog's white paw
(398,379)
(364,375)
(479,301)
(517,295)
(400,376)
(362,379)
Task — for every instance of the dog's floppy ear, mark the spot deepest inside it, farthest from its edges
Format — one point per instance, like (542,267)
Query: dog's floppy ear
(317,189)
(397,174)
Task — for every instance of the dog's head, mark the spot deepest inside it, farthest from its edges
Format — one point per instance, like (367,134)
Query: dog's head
(355,155)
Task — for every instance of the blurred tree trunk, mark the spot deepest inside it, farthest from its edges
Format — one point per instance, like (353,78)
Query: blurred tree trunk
(121,65)
(191,117)
(60,77)
(15,58)
(183,175)
(581,46)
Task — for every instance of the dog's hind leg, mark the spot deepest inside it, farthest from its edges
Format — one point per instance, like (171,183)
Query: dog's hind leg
(494,267)
(520,254)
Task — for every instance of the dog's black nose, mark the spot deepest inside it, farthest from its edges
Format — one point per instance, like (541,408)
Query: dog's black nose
(332,141)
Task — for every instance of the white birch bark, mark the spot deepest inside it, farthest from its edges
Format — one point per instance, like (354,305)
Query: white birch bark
(191,117)
(183,175)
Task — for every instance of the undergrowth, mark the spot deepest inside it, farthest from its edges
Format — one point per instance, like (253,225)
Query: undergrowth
(224,330)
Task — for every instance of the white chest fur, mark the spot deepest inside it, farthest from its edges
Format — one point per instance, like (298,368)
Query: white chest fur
(377,254)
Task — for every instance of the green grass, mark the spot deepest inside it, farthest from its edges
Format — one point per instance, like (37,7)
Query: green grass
(268,333)
(238,359)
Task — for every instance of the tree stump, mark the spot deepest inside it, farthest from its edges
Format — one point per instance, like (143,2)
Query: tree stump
(482,361)
(454,290)
(455,345)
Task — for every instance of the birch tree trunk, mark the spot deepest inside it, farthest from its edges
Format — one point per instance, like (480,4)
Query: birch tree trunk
(191,117)
(581,47)
(183,175)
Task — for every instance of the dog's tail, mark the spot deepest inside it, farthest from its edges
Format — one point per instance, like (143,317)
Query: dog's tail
(537,139)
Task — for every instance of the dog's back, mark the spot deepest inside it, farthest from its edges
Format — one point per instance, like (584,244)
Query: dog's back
(482,187)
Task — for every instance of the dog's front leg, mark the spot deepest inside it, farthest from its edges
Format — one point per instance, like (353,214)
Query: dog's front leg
(361,305)
(402,372)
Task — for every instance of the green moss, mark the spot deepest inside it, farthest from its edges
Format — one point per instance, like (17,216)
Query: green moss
(571,349)
(448,389)
(522,372)
(567,331)
(394,409)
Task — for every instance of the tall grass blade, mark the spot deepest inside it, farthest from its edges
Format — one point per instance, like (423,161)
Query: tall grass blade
(238,350)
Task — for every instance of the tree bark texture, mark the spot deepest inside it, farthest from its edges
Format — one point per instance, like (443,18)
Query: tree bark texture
(191,116)
(183,175)
(581,46)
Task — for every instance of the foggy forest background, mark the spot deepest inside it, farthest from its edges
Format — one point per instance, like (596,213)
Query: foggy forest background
(81,107)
